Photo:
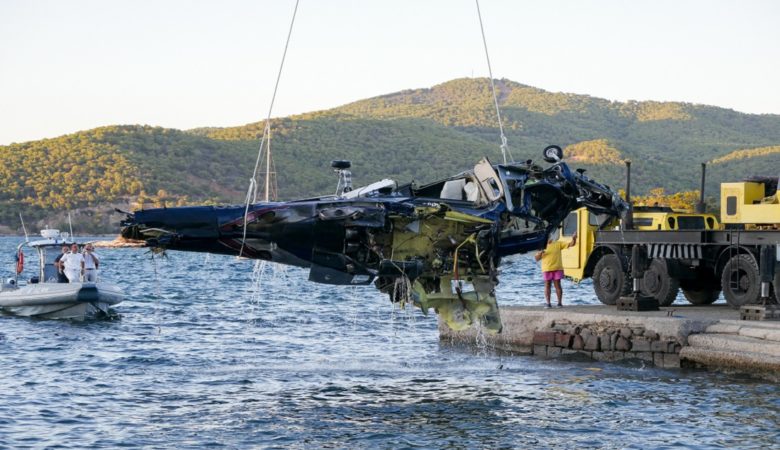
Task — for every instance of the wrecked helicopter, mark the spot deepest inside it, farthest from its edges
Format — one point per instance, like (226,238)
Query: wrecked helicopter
(437,246)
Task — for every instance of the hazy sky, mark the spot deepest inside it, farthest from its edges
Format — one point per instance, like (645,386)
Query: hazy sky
(73,65)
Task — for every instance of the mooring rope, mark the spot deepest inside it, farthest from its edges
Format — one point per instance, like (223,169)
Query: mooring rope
(504,146)
(266,130)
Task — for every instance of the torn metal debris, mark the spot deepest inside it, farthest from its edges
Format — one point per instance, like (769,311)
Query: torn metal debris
(436,246)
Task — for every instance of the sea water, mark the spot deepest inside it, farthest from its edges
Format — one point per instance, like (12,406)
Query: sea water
(194,359)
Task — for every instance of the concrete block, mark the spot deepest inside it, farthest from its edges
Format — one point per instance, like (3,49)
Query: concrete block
(586,333)
(671,361)
(662,346)
(540,350)
(651,335)
(637,331)
(566,351)
(764,365)
(563,340)
(578,343)
(724,328)
(658,359)
(640,344)
(644,356)
(592,343)
(757,333)
(759,312)
(613,340)
(544,338)
(625,332)
(760,333)
(605,342)
(622,344)
(735,343)
(636,302)
(553,352)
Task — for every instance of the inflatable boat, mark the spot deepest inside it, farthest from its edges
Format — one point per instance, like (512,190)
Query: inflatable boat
(44,296)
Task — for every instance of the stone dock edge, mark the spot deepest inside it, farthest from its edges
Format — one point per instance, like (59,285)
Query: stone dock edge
(710,337)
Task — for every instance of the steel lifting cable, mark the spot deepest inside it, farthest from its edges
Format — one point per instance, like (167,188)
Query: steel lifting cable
(252,191)
(504,146)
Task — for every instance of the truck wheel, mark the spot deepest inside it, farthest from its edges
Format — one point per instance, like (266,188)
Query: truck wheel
(658,284)
(701,297)
(610,281)
(700,291)
(741,281)
(776,286)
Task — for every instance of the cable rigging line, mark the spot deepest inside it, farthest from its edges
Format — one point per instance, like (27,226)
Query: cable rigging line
(267,129)
(504,146)
(252,191)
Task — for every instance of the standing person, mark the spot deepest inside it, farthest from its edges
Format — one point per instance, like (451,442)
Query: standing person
(552,267)
(91,264)
(74,264)
(61,278)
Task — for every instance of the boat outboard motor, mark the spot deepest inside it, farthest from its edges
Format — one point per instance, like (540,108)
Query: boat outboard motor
(345,176)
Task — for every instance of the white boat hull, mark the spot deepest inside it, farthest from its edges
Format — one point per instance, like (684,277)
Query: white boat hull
(60,300)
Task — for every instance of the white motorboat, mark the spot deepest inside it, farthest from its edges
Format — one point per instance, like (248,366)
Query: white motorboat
(44,297)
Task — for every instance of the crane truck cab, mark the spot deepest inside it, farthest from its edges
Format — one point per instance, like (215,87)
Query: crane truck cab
(748,205)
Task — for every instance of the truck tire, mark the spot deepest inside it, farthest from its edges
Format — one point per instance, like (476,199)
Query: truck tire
(700,291)
(701,297)
(610,281)
(776,286)
(658,284)
(741,281)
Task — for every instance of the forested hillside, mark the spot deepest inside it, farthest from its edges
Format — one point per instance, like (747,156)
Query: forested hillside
(416,134)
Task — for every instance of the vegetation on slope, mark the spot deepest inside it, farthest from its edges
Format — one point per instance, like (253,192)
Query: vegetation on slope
(596,151)
(747,154)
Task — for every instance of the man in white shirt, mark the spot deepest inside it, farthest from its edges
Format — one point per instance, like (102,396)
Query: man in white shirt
(91,264)
(73,263)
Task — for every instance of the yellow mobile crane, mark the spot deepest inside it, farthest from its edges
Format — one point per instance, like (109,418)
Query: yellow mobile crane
(690,251)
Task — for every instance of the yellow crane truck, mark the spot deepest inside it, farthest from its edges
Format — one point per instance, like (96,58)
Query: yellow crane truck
(690,251)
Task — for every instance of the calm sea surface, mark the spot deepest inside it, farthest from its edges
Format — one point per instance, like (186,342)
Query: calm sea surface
(196,359)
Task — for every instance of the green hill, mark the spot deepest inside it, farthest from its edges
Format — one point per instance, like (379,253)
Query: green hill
(415,134)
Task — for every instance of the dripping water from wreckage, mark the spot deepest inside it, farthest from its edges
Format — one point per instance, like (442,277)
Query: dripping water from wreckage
(208,361)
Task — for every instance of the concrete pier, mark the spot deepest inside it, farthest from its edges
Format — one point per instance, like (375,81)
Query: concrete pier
(710,337)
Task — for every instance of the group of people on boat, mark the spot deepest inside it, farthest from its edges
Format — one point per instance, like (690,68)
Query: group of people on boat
(73,266)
